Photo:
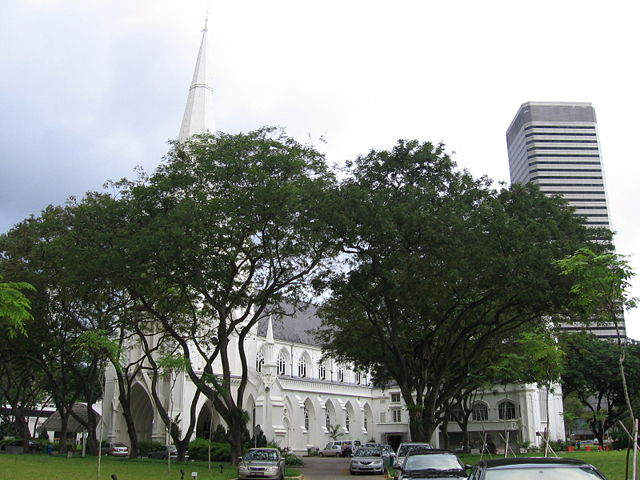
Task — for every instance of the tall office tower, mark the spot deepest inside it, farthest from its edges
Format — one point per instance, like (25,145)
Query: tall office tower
(555,145)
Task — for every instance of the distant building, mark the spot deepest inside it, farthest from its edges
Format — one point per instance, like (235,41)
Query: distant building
(555,145)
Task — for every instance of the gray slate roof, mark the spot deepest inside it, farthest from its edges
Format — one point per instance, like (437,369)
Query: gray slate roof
(294,326)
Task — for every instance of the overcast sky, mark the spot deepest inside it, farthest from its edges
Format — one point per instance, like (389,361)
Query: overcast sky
(91,89)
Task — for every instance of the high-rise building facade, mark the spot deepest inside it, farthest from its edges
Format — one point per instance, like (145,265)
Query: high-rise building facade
(555,145)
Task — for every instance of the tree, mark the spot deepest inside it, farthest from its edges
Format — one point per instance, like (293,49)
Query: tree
(227,228)
(592,375)
(442,269)
(601,289)
(70,300)
(535,358)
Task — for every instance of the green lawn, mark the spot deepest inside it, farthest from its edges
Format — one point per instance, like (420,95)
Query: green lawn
(54,467)
(612,463)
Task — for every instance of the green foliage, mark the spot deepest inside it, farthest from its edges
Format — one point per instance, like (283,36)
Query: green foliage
(533,357)
(98,343)
(592,375)
(335,432)
(199,450)
(146,447)
(173,363)
(600,282)
(14,306)
(442,271)
(220,434)
(291,460)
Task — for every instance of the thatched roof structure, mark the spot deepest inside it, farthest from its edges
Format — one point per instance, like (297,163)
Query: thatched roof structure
(54,422)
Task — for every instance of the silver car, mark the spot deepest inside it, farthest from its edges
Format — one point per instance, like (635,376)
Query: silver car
(367,460)
(261,463)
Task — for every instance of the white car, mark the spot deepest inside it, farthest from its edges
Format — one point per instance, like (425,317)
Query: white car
(331,449)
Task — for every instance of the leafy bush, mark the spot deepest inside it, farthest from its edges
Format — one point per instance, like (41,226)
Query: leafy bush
(220,435)
(147,447)
(291,460)
(199,450)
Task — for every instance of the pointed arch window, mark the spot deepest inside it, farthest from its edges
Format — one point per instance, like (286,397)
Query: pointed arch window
(259,362)
(282,364)
(302,367)
(507,410)
(346,421)
(322,371)
(480,412)
(341,375)
(358,378)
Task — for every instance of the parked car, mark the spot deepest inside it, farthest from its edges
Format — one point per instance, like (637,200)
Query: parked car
(331,449)
(115,449)
(367,460)
(432,463)
(535,468)
(266,463)
(162,453)
(404,448)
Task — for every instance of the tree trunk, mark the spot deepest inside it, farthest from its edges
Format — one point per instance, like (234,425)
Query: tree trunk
(64,421)
(128,418)
(235,435)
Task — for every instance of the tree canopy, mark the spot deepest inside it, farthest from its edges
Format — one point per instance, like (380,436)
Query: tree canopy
(441,270)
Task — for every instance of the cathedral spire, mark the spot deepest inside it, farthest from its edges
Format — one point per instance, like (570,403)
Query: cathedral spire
(198,114)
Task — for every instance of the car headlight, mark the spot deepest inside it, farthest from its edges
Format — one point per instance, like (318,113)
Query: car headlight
(271,470)
(377,462)
(242,468)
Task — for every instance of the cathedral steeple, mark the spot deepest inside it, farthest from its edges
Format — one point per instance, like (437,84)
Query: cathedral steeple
(198,114)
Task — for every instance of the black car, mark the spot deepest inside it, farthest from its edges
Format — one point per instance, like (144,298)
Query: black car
(535,468)
(433,464)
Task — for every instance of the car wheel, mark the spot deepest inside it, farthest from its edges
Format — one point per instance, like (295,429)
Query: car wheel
(321,454)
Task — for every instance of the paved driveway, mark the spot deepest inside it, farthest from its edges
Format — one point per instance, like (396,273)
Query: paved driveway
(329,468)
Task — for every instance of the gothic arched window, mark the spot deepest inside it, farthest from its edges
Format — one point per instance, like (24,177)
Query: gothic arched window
(302,367)
(322,371)
(341,375)
(306,418)
(480,412)
(507,410)
(346,421)
(259,362)
(282,364)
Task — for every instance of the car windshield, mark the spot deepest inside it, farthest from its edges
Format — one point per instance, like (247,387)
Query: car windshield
(270,455)
(543,472)
(404,449)
(368,452)
(432,461)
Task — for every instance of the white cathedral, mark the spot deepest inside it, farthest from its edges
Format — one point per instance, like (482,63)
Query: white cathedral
(295,396)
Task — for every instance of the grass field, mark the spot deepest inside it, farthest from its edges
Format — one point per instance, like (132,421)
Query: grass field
(54,467)
(612,463)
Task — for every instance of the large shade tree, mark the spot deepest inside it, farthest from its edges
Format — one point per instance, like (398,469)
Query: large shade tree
(218,236)
(441,270)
